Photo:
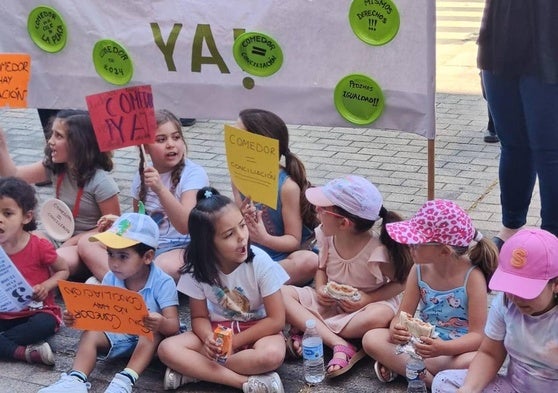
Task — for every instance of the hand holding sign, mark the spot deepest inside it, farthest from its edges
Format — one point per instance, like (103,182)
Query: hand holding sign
(105,308)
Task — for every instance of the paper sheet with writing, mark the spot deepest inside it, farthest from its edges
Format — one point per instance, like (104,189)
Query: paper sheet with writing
(105,308)
(15,291)
(253,162)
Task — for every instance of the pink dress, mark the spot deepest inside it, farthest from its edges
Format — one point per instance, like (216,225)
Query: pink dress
(362,272)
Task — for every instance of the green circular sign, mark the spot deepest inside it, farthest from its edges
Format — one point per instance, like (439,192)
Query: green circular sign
(375,22)
(359,99)
(112,62)
(47,29)
(257,54)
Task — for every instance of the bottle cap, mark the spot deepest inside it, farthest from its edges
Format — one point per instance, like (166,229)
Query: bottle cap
(311,323)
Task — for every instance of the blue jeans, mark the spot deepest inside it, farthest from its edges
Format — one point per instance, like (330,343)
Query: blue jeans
(525,113)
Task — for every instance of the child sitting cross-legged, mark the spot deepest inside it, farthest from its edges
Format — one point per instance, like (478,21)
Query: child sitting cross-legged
(131,244)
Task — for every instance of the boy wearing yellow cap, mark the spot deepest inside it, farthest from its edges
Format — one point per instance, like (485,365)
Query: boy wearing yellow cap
(131,243)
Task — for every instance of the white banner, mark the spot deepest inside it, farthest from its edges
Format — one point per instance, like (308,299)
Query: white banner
(184,50)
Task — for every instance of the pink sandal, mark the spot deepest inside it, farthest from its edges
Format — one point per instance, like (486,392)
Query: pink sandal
(351,358)
(290,338)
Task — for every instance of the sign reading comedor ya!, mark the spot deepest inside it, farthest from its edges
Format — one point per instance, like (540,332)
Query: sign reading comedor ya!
(184,50)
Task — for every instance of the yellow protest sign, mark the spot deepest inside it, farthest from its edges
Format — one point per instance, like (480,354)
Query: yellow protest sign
(15,72)
(105,308)
(253,162)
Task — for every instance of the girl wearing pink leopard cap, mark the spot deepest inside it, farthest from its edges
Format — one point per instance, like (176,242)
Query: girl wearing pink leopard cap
(522,323)
(448,287)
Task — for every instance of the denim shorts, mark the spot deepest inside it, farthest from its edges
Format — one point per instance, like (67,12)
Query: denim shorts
(172,245)
(121,345)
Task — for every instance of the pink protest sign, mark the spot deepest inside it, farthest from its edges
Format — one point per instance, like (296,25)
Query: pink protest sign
(123,117)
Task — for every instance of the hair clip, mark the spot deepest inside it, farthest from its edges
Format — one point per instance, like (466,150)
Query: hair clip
(207,194)
(478,236)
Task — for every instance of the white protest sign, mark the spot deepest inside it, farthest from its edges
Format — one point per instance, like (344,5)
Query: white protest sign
(290,59)
(15,291)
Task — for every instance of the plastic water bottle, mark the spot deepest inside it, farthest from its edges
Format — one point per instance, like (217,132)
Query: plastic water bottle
(313,354)
(414,368)
(416,386)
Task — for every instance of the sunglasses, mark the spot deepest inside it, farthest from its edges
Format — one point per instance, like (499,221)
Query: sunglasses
(321,209)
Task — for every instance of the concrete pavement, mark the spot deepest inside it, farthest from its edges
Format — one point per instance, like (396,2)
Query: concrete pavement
(465,171)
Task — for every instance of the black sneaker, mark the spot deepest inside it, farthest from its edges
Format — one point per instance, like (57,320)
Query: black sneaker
(187,122)
(491,137)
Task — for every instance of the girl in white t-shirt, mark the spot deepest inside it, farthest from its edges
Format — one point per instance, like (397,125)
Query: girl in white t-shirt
(521,323)
(233,284)
(168,190)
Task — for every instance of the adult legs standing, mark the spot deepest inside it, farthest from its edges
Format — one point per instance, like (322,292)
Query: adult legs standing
(525,114)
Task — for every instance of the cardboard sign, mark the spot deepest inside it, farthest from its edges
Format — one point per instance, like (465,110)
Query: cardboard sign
(105,308)
(253,162)
(123,117)
(15,292)
(15,72)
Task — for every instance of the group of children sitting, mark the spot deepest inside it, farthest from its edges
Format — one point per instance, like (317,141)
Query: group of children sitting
(435,266)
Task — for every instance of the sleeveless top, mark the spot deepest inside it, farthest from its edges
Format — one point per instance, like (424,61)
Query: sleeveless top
(446,310)
(273,221)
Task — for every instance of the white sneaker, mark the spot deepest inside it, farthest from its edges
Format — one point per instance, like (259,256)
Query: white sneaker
(173,379)
(119,384)
(264,383)
(93,281)
(39,353)
(67,384)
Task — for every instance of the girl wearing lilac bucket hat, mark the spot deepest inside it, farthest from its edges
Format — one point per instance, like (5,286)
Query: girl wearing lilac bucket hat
(521,323)
(351,253)
(448,287)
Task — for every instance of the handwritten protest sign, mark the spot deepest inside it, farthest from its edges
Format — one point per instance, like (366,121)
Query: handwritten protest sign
(253,162)
(15,72)
(123,117)
(15,292)
(105,308)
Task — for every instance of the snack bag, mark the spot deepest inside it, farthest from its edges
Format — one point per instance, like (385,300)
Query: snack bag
(223,337)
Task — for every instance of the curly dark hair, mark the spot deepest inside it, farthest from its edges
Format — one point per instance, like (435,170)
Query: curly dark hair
(23,194)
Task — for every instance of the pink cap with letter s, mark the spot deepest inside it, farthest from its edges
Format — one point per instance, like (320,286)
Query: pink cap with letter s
(528,260)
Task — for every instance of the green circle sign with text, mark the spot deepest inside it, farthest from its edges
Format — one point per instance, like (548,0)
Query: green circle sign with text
(375,22)
(47,29)
(359,99)
(112,62)
(257,54)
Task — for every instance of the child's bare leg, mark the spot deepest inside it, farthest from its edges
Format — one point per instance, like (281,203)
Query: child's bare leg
(376,343)
(71,256)
(143,353)
(297,315)
(89,345)
(373,316)
(301,266)
(171,262)
(267,355)
(183,353)
(94,256)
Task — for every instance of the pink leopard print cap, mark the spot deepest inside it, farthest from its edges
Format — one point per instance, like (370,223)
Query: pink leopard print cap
(437,221)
